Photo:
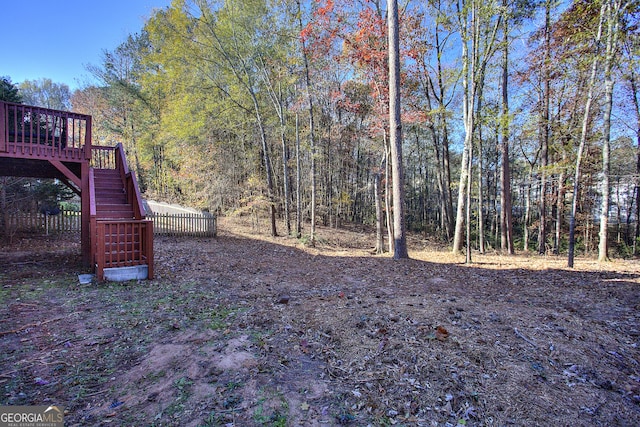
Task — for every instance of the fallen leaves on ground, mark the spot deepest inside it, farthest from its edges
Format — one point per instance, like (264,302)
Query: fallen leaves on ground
(249,330)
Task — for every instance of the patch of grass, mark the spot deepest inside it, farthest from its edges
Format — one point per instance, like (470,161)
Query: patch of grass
(183,386)
(220,318)
(306,240)
(272,417)
(213,419)
(233,385)
(155,376)
(4,292)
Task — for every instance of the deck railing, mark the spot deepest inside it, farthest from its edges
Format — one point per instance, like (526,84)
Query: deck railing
(33,132)
(103,157)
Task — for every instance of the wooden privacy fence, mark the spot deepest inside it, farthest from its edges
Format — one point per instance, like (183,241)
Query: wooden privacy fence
(189,224)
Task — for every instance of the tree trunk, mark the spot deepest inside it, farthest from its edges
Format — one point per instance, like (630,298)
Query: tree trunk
(480,171)
(267,165)
(468,116)
(546,133)
(298,181)
(312,138)
(506,217)
(462,189)
(446,166)
(377,194)
(560,207)
(634,94)
(285,173)
(527,210)
(613,19)
(387,194)
(468,206)
(395,133)
(583,142)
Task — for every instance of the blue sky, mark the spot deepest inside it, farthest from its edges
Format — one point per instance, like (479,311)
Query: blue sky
(56,39)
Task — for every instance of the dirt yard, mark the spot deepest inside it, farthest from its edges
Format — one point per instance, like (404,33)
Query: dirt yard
(248,330)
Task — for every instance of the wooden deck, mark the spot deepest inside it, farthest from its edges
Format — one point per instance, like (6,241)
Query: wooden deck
(43,143)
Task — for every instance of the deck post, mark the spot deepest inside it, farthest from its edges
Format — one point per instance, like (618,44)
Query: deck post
(85,233)
(87,140)
(87,239)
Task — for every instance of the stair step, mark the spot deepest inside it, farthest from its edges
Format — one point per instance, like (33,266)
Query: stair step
(105,172)
(107,176)
(117,195)
(107,199)
(109,181)
(114,206)
(106,215)
(115,215)
(109,185)
(110,191)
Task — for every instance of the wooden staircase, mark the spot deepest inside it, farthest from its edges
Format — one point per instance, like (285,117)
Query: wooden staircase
(124,238)
(111,197)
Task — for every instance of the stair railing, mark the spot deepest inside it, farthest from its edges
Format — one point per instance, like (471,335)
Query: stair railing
(131,184)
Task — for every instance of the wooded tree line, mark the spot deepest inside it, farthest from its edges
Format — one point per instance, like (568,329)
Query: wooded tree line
(521,118)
